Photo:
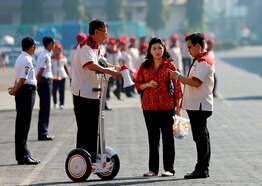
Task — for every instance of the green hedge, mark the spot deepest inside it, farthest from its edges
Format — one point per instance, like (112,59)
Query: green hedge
(225,45)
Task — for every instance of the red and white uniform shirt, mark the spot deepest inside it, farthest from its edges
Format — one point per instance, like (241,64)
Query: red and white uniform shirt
(59,67)
(194,97)
(83,79)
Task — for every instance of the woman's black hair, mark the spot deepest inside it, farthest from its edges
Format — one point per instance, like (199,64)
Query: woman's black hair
(196,38)
(149,56)
(96,24)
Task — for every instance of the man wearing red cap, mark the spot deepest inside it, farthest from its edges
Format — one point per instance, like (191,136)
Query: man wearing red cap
(175,53)
(114,57)
(60,73)
(79,38)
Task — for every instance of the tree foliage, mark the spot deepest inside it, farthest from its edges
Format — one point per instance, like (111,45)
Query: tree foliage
(114,10)
(195,15)
(32,12)
(157,14)
(75,10)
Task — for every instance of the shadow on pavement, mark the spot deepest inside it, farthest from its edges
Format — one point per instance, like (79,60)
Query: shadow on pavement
(244,98)
(251,64)
(137,180)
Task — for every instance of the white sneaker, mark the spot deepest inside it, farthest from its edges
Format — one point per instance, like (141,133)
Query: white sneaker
(61,106)
(55,105)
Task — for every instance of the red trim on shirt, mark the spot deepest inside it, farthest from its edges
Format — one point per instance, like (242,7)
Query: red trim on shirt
(88,63)
(205,57)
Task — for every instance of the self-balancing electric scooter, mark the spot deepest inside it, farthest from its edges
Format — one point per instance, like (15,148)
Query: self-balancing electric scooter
(78,164)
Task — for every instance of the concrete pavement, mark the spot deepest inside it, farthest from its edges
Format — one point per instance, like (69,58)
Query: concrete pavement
(235,128)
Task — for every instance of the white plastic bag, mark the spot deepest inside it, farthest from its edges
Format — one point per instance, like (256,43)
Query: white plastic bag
(180,127)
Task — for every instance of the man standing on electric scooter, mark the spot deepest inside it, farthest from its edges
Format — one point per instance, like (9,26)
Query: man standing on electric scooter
(84,79)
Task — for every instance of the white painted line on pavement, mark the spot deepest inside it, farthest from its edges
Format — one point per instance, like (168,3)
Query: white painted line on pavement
(49,156)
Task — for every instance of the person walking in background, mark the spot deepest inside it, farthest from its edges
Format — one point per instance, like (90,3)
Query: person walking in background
(186,58)
(44,80)
(158,105)
(245,35)
(79,38)
(198,100)
(114,57)
(60,73)
(2,61)
(24,92)
(135,59)
(210,44)
(127,60)
(175,53)
(84,79)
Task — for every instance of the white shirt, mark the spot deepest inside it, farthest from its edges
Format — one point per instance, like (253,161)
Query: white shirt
(58,67)
(24,69)
(44,61)
(175,53)
(134,52)
(83,79)
(114,57)
(194,97)
(127,60)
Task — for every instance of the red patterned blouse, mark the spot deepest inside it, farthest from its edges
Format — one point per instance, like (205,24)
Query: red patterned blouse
(158,98)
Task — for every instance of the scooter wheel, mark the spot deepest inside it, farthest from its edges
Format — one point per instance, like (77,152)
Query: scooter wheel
(115,170)
(78,165)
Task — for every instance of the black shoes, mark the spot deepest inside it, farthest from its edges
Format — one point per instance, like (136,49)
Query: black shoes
(28,161)
(46,137)
(195,174)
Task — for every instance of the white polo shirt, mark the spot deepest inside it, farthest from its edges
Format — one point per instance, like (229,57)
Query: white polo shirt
(194,97)
(24,69)
(59,67)
(83,79)
(44,61)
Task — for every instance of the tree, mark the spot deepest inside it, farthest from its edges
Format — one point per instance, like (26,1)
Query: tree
(157,14)
(32,12)
(114,10)
(75,10)
(195,15)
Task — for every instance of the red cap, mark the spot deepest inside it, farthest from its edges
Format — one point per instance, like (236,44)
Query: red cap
(187,33)
(174,37)
(164,39)
(80,37)
(124,42)
(204,34)
(211,41)
(143,37)
(59,46)
(133,38)
(112,41)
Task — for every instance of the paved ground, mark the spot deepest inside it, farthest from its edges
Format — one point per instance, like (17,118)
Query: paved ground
(235,129)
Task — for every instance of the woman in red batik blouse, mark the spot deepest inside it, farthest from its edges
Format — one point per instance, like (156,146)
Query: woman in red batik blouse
(158,105)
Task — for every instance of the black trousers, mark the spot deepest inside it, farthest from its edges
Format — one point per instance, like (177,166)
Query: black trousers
(25,100)
(44,92)
(60,85)
(160,122)
(198,121)
(87,113)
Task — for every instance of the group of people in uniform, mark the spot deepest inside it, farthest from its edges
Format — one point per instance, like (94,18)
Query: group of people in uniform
(154,66)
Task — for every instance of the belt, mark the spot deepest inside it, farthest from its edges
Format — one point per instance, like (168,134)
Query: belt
(29,87)
(48,80)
